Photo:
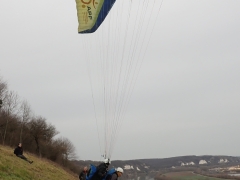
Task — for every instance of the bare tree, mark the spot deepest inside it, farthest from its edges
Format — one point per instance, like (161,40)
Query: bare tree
(11,102)
(69,153)
(41,131)
(66,148)
(25,114)
(3,89)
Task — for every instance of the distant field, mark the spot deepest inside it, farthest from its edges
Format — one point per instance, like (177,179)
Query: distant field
(187,176)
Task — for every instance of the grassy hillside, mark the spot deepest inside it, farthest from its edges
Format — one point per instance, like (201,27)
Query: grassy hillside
(14,168)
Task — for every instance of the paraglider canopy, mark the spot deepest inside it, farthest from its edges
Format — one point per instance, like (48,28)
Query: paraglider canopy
(91,14)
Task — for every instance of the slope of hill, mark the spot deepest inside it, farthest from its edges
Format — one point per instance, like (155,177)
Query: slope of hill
(14,168)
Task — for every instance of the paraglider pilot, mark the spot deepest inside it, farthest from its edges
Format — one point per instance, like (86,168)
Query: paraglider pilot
(116,175)
(101,170)
(83,174)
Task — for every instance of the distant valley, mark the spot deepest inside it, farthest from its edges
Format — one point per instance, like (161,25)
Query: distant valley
(207,163)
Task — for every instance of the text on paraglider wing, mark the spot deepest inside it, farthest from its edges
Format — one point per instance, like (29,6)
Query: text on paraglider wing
(89,12)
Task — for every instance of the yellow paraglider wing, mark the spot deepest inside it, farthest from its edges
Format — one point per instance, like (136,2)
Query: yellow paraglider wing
(91,13)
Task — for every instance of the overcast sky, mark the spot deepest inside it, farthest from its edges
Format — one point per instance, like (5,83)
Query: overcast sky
(186,100)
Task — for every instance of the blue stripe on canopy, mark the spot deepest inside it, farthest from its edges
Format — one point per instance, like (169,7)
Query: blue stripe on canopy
(106,7)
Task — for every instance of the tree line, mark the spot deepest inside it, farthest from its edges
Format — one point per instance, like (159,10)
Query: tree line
(18,123)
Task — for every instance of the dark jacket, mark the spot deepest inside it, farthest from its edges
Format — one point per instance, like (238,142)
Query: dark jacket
(18,151)
(114,176)
(82,175)
(101,172)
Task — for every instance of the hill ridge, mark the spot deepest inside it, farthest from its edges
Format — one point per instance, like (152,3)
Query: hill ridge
(155,164)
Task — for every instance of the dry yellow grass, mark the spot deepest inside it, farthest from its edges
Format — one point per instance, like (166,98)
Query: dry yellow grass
(14,168)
